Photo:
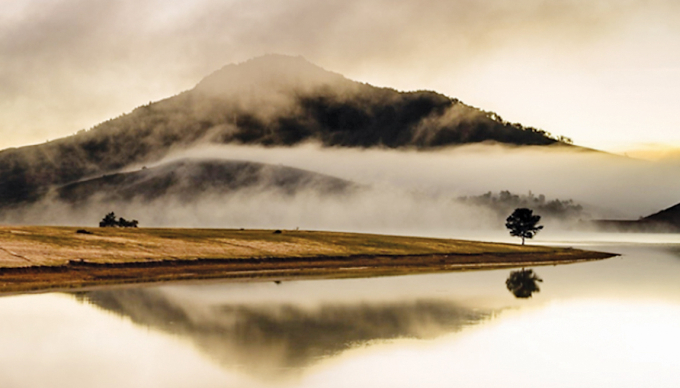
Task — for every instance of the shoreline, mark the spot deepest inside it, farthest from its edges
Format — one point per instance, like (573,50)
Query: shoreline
(79,275)
(293,255)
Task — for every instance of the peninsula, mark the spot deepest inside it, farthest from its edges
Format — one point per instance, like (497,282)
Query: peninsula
(43,258)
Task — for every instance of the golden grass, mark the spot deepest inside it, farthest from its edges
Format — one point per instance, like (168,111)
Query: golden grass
(30,246)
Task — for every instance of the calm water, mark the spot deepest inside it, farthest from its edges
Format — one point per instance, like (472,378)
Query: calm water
(612,323)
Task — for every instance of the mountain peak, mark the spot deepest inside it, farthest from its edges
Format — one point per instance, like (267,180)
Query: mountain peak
(267,73)
(273,100)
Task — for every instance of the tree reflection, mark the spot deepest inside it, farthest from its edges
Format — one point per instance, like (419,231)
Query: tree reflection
(523,283)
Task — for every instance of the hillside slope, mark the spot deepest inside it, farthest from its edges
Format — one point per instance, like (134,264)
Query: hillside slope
(270,101)
(188,179)
(664,221)
(669,217)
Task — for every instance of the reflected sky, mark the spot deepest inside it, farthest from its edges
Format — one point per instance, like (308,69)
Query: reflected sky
(573,344)
(605,323)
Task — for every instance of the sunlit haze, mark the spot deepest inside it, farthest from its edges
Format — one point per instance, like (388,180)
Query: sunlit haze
(604,73)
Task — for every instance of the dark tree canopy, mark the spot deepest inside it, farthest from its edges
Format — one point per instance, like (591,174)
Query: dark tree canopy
(123,223)
(523,223)
(110,221)
(523,283)
(505,201)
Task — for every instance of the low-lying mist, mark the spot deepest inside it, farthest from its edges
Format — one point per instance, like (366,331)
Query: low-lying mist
(610,185)
(398,192)
(380,209)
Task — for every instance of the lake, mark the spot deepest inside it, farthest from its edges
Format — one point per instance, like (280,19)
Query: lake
(610,323)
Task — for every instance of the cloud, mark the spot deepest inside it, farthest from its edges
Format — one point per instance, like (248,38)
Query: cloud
(68,64)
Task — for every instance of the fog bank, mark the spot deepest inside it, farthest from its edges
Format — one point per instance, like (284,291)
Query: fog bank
(615,186)
(398,192)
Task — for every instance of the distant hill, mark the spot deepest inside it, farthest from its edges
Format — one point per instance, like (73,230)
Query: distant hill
(670,216)
(667,220)
(271,101)
(188,179)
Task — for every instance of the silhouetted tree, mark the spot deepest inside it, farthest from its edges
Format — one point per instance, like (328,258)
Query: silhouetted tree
(109,220)
(522,223)
(523,283)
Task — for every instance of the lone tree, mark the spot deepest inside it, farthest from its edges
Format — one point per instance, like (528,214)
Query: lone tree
(522,223)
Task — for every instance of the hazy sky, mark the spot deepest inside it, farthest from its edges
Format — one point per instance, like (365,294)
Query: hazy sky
(606,73)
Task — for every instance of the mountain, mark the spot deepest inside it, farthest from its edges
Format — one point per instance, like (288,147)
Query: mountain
(189,179)
(270,101)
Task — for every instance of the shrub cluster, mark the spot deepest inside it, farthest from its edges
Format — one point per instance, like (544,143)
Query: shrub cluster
(110,221)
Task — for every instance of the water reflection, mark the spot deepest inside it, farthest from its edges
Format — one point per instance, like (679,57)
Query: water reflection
(523,283)
(610,323)
(274,340)
(674,250)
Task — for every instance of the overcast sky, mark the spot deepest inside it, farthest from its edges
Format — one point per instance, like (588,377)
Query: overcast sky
(605,73)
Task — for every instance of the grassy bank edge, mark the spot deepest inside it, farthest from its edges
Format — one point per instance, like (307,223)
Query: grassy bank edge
(69,278)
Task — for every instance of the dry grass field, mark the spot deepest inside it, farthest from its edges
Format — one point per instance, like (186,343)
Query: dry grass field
(46,258)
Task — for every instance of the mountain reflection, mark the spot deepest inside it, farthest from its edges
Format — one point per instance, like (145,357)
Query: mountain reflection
(274,340)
